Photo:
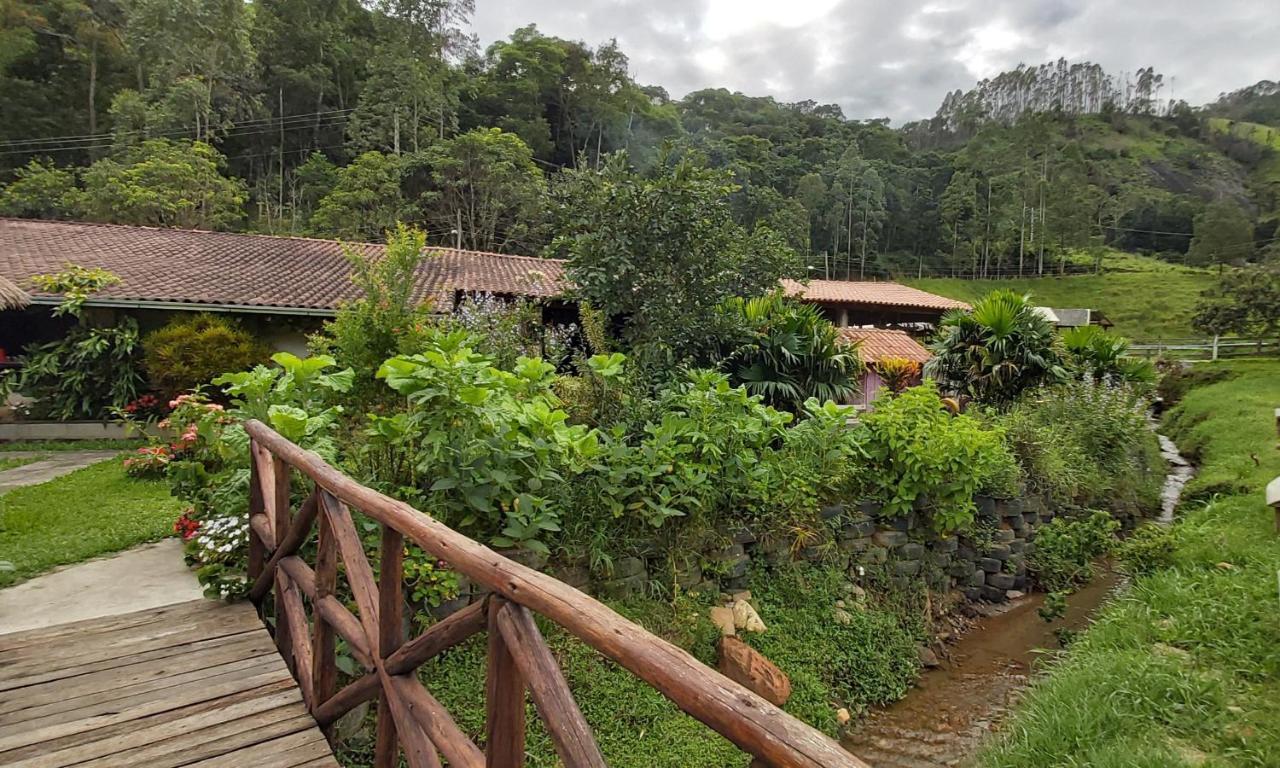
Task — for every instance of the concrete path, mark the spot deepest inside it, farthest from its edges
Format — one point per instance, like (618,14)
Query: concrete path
(58,464)
(144,577)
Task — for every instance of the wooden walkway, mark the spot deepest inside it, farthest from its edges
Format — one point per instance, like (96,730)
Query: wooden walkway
(192,684)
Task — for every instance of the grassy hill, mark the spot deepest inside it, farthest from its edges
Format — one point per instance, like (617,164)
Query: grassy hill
(1144,297)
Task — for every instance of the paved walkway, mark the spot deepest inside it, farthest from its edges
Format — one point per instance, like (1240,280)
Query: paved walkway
(144,577)
(58,464)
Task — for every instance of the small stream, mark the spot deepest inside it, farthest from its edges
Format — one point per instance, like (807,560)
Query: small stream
(945,718)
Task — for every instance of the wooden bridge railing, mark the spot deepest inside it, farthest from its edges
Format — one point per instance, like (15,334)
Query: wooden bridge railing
(409,717)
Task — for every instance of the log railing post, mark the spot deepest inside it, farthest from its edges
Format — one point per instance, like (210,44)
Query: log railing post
(390,636)
(324,673)
(257,549)
(504,693)
(281,521)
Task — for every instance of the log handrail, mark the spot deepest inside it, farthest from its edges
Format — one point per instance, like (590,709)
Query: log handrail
(410,718)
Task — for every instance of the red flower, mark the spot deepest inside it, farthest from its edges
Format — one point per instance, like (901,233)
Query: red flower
(185,527)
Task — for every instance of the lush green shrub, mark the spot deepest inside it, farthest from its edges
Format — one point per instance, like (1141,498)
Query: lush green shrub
(189,351)
(996,351)
(209,465)
(1066,548)
(1149,549)
(1085,443)
(917,451)
(89,371)
(486,450)
(789,353)
(1091,351)
(389,319)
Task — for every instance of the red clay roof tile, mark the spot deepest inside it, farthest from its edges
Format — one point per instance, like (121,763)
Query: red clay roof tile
(882,294)
(303,274)
(876,344)
(256,271)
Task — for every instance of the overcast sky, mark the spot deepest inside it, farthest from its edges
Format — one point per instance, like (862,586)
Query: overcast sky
(897,58)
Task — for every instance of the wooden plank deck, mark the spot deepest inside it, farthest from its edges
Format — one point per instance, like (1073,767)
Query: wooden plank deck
(192,684)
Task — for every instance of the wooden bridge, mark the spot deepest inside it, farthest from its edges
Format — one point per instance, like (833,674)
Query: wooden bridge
(198,684)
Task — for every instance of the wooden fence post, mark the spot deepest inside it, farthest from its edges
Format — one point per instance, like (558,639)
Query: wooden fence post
(390,633)
(504,722)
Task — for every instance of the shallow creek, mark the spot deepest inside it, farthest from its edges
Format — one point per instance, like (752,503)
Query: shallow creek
(953,708)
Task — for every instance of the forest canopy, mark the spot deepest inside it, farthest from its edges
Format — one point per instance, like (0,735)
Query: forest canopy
(339,118)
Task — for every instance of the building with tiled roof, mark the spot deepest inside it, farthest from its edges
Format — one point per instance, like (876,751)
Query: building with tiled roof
(283,286)
(188,269)
(855,303)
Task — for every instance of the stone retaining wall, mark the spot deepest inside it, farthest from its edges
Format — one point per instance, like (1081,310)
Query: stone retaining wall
(985,565)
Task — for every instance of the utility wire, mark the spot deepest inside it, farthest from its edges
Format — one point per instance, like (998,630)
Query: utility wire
(328,122)
(90,137)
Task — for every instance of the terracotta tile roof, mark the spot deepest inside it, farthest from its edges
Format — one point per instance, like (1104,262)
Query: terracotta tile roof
(876,344)
(881,294)
(251,271)
(306,275)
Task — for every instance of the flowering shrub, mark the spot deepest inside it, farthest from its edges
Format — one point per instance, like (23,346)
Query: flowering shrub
(218,547)
(208,455)
(186,526)
(148,408)
(149,461)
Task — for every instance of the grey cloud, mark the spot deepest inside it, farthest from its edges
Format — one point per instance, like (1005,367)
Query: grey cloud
(879,59)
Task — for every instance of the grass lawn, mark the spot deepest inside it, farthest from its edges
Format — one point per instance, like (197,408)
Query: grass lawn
(13,463)
(48,446)
(1145,298)
(93,511)
(1184,669)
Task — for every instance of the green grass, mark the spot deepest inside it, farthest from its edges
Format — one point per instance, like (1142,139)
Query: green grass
(70,445)
(93,511)
(1144,297)
(1184,669)
(13,463)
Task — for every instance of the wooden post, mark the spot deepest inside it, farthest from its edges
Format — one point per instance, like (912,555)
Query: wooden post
(390,636)
(1215,347)
(324,673)
(504,690)
(257,550)
(281,520)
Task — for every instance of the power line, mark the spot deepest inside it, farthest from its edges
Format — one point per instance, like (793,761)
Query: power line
(328,122)
(90,137)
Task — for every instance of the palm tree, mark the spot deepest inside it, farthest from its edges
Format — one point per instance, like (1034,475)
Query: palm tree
(994,352)
(790,353)
(1093,352)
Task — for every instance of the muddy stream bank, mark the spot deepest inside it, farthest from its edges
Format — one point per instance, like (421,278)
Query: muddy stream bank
(953,708)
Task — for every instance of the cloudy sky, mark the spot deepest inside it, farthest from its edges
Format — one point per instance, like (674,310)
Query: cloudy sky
(882,58)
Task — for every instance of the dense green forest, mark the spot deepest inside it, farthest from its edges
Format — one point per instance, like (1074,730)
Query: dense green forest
(336,118)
